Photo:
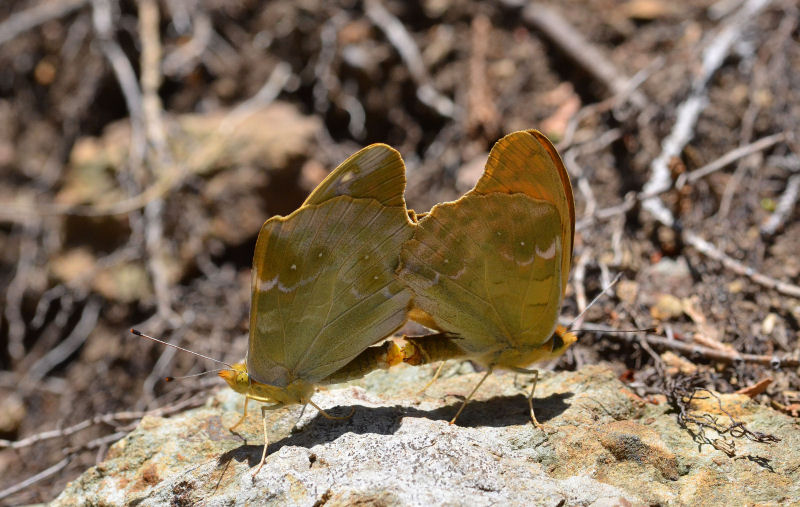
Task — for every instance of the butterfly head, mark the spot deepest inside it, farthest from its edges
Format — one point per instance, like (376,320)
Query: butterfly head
(561,341)
(237,378)
(240,381)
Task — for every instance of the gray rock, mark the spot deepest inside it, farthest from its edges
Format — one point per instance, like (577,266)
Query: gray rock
(602,445)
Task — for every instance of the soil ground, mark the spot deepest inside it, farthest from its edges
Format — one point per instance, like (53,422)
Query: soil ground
(116,212)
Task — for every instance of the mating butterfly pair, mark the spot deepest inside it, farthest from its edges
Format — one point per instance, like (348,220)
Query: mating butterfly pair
(352,264)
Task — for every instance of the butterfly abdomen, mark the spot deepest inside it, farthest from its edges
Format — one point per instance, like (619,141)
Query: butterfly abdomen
(431,349)
(373,358)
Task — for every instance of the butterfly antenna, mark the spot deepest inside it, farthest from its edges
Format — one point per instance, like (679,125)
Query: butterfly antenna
(170,379)
(596,298)
(139,333)
(610,285)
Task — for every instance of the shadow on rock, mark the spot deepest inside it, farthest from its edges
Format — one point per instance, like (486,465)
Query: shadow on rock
(496,412)
(504,410)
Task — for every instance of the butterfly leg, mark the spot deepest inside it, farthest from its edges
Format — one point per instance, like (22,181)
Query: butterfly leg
(435,376)
(244,414)
(535,374)
(488,372)
(335,418)
(264,409)
(294,428)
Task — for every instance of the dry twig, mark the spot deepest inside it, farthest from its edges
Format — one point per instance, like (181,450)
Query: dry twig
(44,474)
(35,16)
(728,158)
(784,208)
(689,111)
(399,37)
(481,111)
(59,353)
(109,419)
(583,52)
(737,267)
(693,350)
(681,393)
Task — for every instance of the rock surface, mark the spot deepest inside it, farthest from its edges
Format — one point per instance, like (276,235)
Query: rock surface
(602,445)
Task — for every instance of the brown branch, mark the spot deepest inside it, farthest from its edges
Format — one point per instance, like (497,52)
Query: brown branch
(583,52)
(160,161)
(481,111)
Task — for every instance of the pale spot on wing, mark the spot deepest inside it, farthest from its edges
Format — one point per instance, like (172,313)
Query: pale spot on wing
(430,283)
(375,277)
(366,257)
(264,286)
(285,289)
(346,177)
(549,252)
(447,261)
(319,255)
(459,273)
(526,262)
(521,243)
(294,267)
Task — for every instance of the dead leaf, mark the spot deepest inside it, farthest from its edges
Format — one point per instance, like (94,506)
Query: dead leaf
(755,389)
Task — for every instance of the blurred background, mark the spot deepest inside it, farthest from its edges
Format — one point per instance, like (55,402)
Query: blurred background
(143,144)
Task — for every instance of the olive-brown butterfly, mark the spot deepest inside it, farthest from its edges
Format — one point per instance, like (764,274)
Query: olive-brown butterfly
(492,266)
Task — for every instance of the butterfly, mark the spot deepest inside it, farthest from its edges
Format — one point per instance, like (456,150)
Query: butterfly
(324,287)
(492,266)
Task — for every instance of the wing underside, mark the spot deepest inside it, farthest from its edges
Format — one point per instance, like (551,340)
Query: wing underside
(526,162)
(488,267)
(375,172)
(324,288)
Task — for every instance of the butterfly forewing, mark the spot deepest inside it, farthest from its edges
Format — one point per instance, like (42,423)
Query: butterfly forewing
(488,268)
(375,172)
(526,162)
(324,288)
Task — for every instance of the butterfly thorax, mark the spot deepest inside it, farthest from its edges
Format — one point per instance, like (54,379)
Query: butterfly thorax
(522,355)
(297,392)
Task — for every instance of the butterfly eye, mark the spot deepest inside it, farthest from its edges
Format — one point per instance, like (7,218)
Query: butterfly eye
(558,342)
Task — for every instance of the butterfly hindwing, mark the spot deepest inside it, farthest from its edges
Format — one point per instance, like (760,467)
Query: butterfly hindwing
(487,267)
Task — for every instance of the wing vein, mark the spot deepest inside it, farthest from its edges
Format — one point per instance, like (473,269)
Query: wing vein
(331,302)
